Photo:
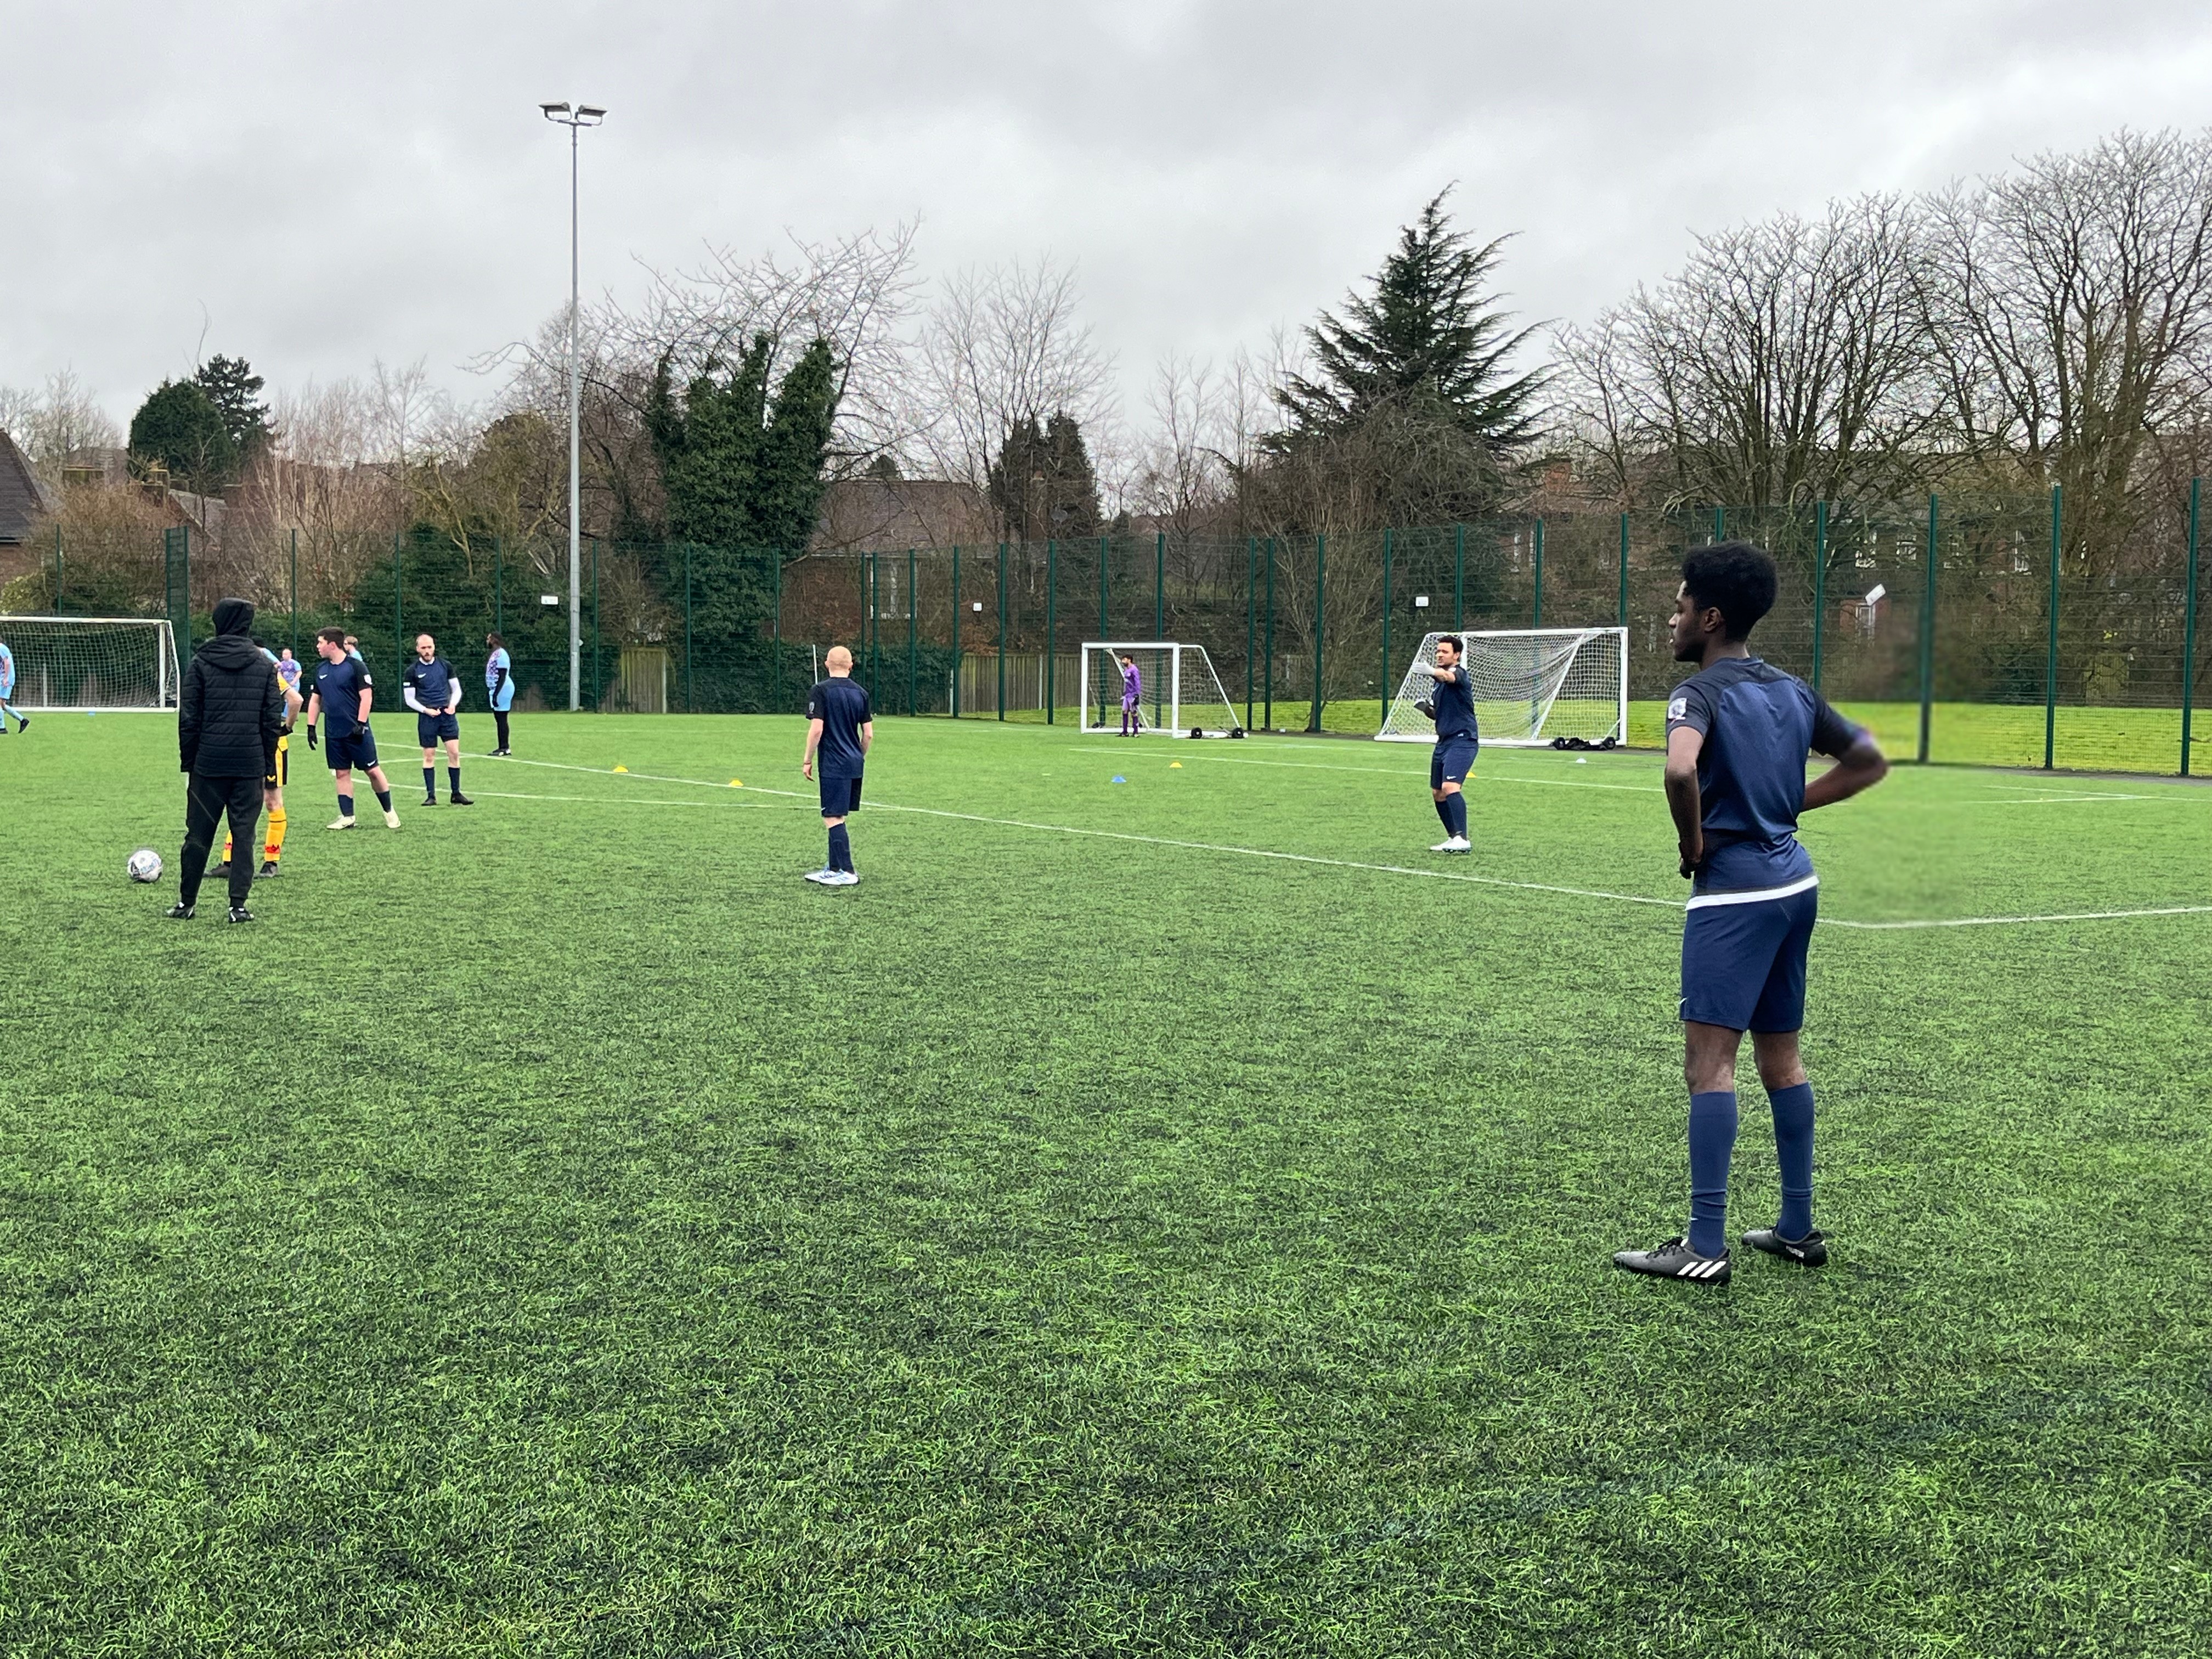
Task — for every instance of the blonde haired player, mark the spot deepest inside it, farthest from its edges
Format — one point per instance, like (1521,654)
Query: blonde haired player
(272,787)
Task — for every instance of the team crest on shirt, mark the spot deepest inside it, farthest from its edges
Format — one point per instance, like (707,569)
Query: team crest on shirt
(1677,708)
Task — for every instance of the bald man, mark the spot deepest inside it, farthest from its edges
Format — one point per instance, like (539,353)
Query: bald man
(840,728)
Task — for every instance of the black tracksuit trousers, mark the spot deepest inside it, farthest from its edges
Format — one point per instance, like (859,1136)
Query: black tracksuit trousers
(206,801)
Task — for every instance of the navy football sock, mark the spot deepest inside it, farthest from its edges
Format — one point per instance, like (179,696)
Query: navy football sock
(1457,805)
(454,775)
(1793,1151)
(1443,813)
(841,848)
(383,799)
(429,780)
(345,806)
(1712,1140)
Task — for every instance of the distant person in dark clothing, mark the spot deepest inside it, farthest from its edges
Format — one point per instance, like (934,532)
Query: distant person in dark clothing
(229,715)
(499,687)
(840,728)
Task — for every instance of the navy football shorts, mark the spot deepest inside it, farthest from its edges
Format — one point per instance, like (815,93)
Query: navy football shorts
(429,728)
(1451,761)
(840,797)
(1743,957)
(353,748)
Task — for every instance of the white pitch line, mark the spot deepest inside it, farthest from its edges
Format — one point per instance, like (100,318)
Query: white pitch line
(1396,869)
(2068,801)
(1392,772)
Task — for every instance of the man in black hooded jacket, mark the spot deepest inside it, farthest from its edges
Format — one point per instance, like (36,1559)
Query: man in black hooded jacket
(229,715)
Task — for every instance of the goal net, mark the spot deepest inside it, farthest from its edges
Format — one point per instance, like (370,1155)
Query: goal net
(1178,693)
(1533,686)
(92,662)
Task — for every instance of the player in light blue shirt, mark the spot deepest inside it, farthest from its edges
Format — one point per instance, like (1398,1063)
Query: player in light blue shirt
(499,686)
(7,691)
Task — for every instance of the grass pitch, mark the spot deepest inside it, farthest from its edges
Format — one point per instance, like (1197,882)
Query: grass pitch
(557,1229)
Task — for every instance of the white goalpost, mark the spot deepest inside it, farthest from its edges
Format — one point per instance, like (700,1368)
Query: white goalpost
(97,663)
(1179,694)
(1534,687)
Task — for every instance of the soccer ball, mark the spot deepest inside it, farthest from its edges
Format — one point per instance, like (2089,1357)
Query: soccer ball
(145,865)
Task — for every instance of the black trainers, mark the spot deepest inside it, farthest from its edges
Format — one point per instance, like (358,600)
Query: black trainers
(429,801)
(240,912)
(266,870)
(1675,1260)
(460,799)
(1810,1251)
(219,871)
(179,912)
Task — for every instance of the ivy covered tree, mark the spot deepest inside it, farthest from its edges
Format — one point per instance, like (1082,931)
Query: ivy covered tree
(1430,336)
(1043,484)
(742,470)
(179,427)
(235,389)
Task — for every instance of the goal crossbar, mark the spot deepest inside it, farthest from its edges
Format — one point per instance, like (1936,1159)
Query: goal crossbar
(1178,693)
(1533,687)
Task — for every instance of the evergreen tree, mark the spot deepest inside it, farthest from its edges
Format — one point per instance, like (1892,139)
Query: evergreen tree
(1042,483)
(1430,340)
(235,389)
(742,469)
(179,427)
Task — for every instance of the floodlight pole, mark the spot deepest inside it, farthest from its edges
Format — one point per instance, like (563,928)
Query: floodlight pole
(574,118)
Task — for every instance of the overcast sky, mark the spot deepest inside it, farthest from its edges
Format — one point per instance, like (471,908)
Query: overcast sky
(318,185)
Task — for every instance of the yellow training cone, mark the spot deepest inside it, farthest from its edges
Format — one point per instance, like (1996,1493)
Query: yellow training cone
(737,783)
(621,768)
(1174,766)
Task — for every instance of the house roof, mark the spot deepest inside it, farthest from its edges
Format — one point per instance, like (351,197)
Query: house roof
(874,514)
(22,497)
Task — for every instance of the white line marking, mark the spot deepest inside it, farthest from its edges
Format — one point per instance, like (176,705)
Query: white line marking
(1394,869)
(2000,921)
(2067,800)
(1393,772)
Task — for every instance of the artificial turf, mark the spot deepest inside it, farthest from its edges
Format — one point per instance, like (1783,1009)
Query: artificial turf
(557,1229)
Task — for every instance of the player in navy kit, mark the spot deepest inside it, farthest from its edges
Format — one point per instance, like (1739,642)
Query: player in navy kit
(1737,733)
(840,729)
(1458,741)
(344,694)
(433,690)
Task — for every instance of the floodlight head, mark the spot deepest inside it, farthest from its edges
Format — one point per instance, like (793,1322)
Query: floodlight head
(590,114)
(553,112)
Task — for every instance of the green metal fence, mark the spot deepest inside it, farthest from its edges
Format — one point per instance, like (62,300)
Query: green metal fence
(1986,630)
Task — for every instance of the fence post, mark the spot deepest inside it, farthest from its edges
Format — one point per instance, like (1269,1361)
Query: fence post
(1820,583)
(1159,583)
(599,685)
(1720,523)
(498,580)
(2188,630)
(58,574)
(1382,685)
(2051,651)
(1270,701)
(1104,546)
(398,623)
(911,640)
(688,706)
(1002,630)
(959,662)
(1928,637)
(1320,622)
(1051,628)
(1251,594)
(776,638)
(1536,617)
(1459,577)
(1622,617)
(295,595)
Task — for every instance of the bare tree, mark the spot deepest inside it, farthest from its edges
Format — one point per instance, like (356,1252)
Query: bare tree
(56,419)
(1004,345)
(1784,363)
(1183,469)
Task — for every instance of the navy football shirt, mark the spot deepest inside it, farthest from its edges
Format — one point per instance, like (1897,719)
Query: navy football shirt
(841,706)
(1454,703)
(1758,722)
(339,686)
(432,683)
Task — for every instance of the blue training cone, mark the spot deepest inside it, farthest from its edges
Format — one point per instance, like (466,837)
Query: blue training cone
(1118,778)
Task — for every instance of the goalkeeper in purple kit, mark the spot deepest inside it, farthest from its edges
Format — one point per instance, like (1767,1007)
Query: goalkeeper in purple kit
(1133,692)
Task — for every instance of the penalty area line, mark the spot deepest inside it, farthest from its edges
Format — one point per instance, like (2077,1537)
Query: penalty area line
(1914,925)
